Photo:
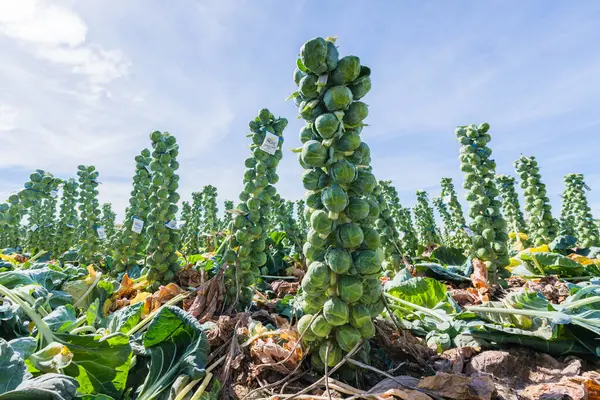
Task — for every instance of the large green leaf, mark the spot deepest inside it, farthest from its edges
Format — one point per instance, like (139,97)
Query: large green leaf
(176,345)
(424,292)
(12,366)
(438,271)
(448,255)
(100,364)
(46,277)
(44,387)
(61,319)
(551,264)
(124,319)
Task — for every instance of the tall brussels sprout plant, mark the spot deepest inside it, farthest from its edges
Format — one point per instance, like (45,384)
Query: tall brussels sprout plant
(162,230)
(541,226)
(247,251)
(459,238)
(425,221)
(68,219)
(577,215)
(343,250)
(510,204)
(89,211)
(130,242)
(489,240)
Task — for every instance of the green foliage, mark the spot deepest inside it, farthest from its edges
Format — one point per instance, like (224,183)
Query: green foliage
(456,221)
(510,204)
(67,223)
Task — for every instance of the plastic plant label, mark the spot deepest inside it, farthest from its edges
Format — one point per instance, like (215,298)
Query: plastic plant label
(101,232)
(34,227)
(53,193)
(137,225)
(402,234)
(469,231)
(446,199)
(70,226)
(587,187)
(270,143)
(172,224)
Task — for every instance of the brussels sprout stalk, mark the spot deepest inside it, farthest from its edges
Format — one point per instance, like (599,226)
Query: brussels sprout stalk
(576,215)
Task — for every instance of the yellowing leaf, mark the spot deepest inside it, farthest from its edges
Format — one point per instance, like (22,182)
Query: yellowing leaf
(514,262)
(139,297)
(541,249)
(522,236)
(10,259)
(583,260)
(91,275)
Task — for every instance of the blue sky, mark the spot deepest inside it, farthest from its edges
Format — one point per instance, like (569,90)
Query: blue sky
(85,83)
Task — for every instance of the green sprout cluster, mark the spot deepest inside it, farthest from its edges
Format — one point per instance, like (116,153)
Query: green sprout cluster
(162,260)
(459,237)
(209,219)
(343,248)
(389,235)
(302,222)
(510,204)
(247,251)
(107,220)
(541,226)
(577,215)
(192,226)
(447,223)
(403,218)
(425,221)
(226,220)
(41,185)
(129,246)
(89,212)
(489,240)
(67,219)
(283,220)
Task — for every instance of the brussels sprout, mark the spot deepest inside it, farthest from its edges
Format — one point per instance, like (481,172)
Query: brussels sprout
(330,353)
(350,288)
(321,223)
(357,208)
(318,273)
(359,315)
(356,113)
(319,55)
(371,239)
(367,330)
(327,125)
(334,199)
(348,69)
(308,86)
(350,235)
(349,141)
(335,311)
(314,179)
(367,262)
(314,153)
(337,98)
(339,260)
(360,87)
(320,327)
(304,328)
(343,172)
(306,134)
(371,291)
(347,337)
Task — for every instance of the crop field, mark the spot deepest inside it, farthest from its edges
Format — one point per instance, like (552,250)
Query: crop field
(345,293)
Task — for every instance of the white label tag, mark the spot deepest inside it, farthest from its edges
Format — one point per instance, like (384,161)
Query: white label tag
(172,224)
(181,224)
(270,144)
(469,231)
(446,199)
(34,227)
(137,225)
(97,181)
(70,226)
(53,193)
(587,187)
(101,232)
(402,234)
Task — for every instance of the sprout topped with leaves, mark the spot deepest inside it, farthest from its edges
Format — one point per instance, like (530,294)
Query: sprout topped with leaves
(489,240)
(226,220)
(89,211)
(343,247)
(162,228)
(577,216)
(67,223)
(425,221)
(510,204)
(541,225)
(459,237)
(130,243)
(247,250)
(209,217)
